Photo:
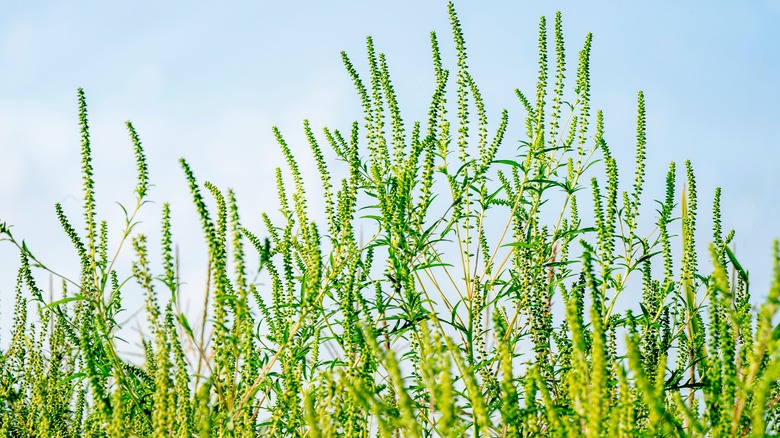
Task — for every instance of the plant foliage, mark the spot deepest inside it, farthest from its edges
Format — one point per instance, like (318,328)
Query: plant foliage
(484,302)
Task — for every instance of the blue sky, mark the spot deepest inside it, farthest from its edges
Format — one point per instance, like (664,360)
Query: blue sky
(207,80)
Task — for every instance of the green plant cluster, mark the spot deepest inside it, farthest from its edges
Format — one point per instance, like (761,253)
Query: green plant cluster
(482,304)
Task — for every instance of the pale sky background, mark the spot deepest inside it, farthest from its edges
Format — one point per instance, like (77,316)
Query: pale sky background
(207,82)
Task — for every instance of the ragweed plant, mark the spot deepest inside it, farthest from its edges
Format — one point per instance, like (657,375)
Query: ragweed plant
(484,302)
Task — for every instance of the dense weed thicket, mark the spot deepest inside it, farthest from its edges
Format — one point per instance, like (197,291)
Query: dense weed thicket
(483,303)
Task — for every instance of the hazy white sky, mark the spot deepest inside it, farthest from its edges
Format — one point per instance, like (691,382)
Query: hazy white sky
(207,82)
